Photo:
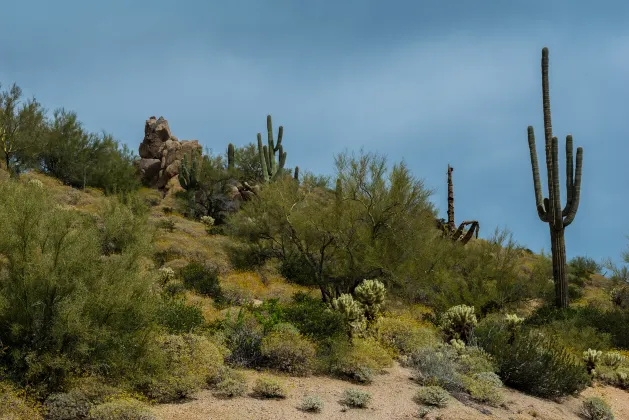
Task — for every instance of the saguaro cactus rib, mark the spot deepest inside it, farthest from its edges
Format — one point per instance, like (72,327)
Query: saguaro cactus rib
(549,209)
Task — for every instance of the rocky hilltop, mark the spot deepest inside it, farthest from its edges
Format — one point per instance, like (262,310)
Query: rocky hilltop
(161,154)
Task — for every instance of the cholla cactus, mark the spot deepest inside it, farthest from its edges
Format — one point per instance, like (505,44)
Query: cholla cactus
(459,322)
(612,359)
(458,345)
(371,293)
(36,183)
(513,321)
(166,274)
(591,358)
(208,221)
(351,310)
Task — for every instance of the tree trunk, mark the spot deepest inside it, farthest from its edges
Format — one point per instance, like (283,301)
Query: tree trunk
(558,248)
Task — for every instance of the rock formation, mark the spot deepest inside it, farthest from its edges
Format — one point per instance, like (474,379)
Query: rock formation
(161,154)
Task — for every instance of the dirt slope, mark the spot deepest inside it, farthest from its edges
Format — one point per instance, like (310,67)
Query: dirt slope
(392,399)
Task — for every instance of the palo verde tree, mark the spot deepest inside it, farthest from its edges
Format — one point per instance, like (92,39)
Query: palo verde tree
(21,125)
(549,209)
(370,226)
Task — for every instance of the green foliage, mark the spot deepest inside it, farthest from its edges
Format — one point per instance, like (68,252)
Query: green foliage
(202,279)
(433,395)
(532,362)
(459,322)
(190,362)
(244,340)
(311,404)
(122,408)
(356,398)
(189,172)
(404,335)
(268,387)
(359,360)
(21,126)
(67,406)
(65,307)
(178,317)
(583,267)
(313,318)
(234,385)
(375,228)
(79,158)
(595,408)
(287,350)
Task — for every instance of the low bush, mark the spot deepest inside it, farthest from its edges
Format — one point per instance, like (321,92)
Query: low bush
(287,350)
(203,280)
(595,408)
(529,361)
(311,404)
(269,388)
(358,360)
(232,385)
(15,406)
(433,395)
(191,362)
(243,336)
(122,408)
(404,335)
(67,406)
(356,398)
(313,318)
(178,317)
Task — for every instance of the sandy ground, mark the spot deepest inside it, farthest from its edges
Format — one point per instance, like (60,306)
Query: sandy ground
(392,399)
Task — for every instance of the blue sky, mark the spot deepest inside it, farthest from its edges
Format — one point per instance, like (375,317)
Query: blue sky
(429,82)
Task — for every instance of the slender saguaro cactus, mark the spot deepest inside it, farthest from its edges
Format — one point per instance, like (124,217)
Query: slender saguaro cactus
(549,209)
(449,228)
(190,171)
(230,157)
(270,167)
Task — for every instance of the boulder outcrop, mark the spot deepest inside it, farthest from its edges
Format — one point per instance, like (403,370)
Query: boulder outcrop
(161,154)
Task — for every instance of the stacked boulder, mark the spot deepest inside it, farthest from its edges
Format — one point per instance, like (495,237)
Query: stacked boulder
(161,154)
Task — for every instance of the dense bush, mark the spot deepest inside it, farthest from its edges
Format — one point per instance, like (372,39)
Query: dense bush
(67,406)
(594,408)
(86,312)
(285,349)
(191,362)
(311,404)
(178,317)
(404,335)
(244,339)
(15,406)
(203,280)
(529,361)
(232,385)
(122,408)
(268,387)
(359,360)
(313,318)
(356,398)
(433,395)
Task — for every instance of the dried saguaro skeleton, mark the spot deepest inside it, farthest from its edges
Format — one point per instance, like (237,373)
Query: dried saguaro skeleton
(449,229)
(549,209)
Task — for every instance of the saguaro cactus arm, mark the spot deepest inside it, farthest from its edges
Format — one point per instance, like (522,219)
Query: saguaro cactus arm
(270,166)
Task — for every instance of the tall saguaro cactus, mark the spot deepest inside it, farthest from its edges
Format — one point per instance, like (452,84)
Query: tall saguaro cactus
(449,228)
(549,209)
(271,167)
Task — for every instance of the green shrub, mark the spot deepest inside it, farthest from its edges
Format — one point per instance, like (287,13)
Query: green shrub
(295,269)
(531,362)
(595,408)
(433,395)
(356,398)
(612,359)
(269,388)
(287,350)
(313,318)
(484,388)
(458,322)
(358,360)
(311,404)
(191,362)
(233,385)
(244,340)
(404,335)
(203,280)
(179,317)
(618,377)
(98,309)
(122,409)
(67,406)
